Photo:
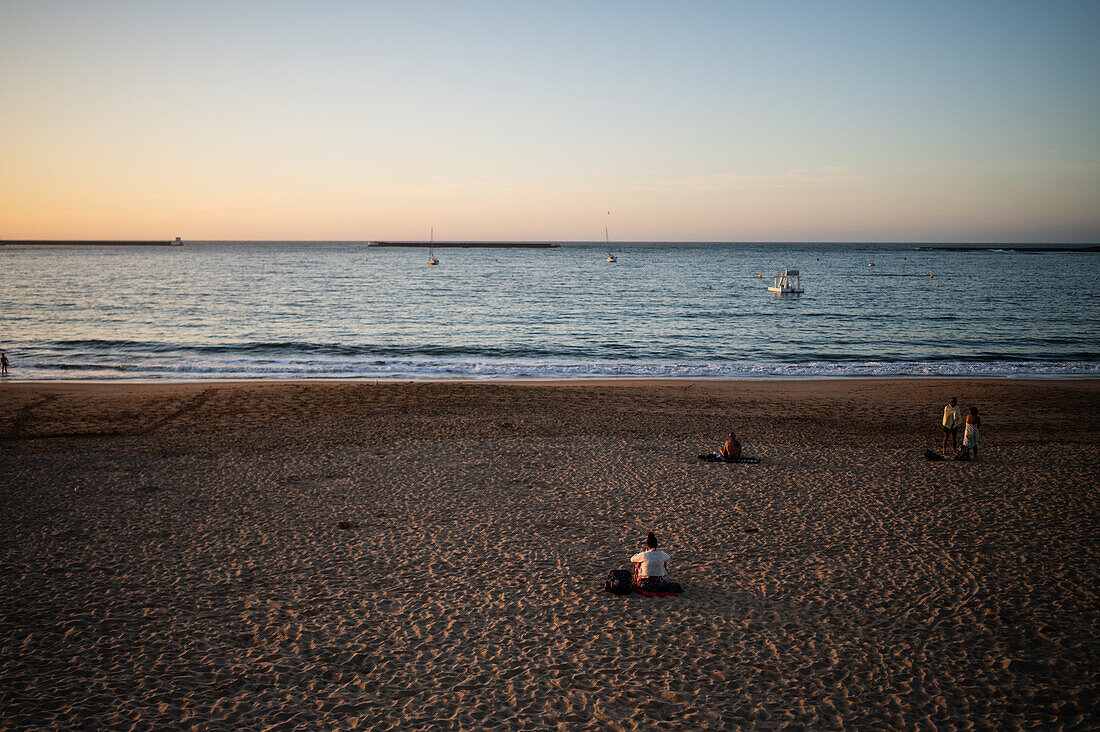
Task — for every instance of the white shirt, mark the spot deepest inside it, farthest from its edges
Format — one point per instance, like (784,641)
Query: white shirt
(653,563)
(952,417)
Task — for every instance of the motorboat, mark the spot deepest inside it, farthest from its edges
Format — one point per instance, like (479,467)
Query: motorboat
(787,282)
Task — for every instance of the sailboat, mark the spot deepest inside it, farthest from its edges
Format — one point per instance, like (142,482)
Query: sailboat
(607,239)
(431,248)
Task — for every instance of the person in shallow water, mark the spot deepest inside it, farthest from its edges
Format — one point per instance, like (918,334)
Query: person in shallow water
(731,450)
(3,364)
(650,566)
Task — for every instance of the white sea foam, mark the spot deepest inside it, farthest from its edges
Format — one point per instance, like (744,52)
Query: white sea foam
(452,369)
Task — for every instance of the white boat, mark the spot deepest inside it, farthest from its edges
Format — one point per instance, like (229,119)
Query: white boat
(178,242)
(607,240)
(787,282)
(431,248)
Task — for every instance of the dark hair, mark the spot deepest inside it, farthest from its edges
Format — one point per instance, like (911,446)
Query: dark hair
(973,410)
(651,541)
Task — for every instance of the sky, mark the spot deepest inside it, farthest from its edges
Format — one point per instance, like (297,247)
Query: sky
(531,121)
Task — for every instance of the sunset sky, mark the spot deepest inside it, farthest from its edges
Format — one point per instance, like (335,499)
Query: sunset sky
(702,121)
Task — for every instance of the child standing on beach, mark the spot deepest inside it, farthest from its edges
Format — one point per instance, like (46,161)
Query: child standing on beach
(970,434)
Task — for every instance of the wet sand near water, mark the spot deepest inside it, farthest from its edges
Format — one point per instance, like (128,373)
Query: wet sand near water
(343,555)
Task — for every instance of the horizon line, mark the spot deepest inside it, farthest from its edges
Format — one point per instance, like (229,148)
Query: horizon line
(108,241)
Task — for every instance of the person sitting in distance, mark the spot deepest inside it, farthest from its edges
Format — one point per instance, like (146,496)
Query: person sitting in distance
(731,450)
(650,566)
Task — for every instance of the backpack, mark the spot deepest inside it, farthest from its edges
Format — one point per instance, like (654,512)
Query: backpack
(618,582)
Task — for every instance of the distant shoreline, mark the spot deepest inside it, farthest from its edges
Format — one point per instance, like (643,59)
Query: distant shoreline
(421,244)
(1006,248)
(1088,248)
(84,243)
(465,244)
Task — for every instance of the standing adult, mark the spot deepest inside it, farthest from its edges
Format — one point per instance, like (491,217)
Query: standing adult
(952,418)
(970,435)
(3,364)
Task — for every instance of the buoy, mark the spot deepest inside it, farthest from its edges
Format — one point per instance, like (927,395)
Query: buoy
(937,284)
(931,274)
(760,275)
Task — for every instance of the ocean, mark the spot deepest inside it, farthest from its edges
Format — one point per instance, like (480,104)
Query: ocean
(291,310)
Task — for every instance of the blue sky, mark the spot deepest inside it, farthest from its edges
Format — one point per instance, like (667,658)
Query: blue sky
(689,121)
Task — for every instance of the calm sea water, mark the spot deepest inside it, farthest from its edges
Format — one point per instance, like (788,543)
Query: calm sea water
(294,310)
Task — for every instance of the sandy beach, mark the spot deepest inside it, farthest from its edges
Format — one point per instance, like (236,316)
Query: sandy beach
(344,555)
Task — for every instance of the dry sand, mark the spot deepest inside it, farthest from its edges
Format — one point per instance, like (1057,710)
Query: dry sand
(431,555)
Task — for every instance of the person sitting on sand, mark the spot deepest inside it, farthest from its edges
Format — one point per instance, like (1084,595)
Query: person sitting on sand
(970,434)
(731,450)
(649,566)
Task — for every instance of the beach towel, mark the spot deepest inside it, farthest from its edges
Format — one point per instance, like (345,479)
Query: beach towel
(713,457)
(659,589)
